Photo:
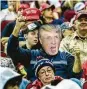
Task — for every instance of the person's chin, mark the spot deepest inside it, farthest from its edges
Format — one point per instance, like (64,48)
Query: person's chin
(53,53)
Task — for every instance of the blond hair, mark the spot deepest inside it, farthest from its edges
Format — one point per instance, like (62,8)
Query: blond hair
(50,28)
(17,4)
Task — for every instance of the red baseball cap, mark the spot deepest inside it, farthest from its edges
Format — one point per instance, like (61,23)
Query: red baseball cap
(24,6)
(32,14)
(46,6)
(68,15)
(81,14)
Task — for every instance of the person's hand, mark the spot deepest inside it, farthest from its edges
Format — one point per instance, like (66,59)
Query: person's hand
(4,40)
(20,21)
(76,50)
(77,63)
(20,24)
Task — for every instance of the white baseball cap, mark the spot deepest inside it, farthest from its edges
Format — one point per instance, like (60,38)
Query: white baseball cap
(5,75)
(64,84)
(79,6)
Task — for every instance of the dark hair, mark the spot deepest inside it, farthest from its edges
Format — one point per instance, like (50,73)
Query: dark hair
(38,6)
(14,81)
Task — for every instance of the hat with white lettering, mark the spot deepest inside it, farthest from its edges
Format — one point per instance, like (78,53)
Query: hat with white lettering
(31,14)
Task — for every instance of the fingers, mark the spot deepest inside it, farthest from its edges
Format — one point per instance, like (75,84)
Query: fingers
(20,18)
(20,21)
(76,50)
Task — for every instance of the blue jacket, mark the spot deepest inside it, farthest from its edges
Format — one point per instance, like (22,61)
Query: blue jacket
(63,61)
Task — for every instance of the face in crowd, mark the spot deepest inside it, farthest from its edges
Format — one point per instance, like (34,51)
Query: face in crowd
(48,13)
(32,37)
(46,75)
(12,5)
(50,37)
(82,26)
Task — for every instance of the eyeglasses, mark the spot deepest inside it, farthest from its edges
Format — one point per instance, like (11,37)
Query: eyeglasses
(43,72)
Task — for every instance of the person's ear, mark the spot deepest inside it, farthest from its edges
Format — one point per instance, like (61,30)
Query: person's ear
(25,36)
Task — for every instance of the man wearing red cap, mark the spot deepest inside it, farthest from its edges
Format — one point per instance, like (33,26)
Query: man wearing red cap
(78,39)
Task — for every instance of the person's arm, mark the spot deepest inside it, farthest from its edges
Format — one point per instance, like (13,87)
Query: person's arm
(77,63)
(71,68)
(14,51)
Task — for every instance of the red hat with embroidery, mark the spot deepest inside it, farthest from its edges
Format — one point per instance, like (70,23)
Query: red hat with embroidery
(45,6)
(24,6)
(32,14)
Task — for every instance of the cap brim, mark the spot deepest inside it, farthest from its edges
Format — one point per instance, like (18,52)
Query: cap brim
(81,16)
(50,6)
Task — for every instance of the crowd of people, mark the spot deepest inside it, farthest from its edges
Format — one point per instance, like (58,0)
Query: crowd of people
(43,44)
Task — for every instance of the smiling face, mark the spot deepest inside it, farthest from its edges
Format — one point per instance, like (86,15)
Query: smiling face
(50,41)
(82,26)
(46,75)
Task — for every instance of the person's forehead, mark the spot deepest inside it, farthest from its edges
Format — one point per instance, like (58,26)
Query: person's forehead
(45,68)
(49,33)
(34,31)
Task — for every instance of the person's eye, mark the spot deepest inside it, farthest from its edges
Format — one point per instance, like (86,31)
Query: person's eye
(42,72)
(33,33)
(56,36)
(48,38)
(49,70)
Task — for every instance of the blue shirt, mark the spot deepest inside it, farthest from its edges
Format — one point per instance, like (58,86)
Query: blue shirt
(63,61)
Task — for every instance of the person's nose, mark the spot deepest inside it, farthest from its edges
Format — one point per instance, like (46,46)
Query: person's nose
(36,35)
(53,41)
(46,73)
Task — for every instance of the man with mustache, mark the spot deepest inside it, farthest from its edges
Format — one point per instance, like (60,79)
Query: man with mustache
(78,39)
(50,38)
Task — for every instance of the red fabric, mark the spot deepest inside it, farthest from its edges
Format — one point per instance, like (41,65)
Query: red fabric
(38,85)
(4,23)
(32,14)
(45,6)
(68,15)
(84,67)
(3,54)
(85,85)
(24,6)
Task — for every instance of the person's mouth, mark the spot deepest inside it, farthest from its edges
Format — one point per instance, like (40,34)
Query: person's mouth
(48,78)
(53,49)
(35,41)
